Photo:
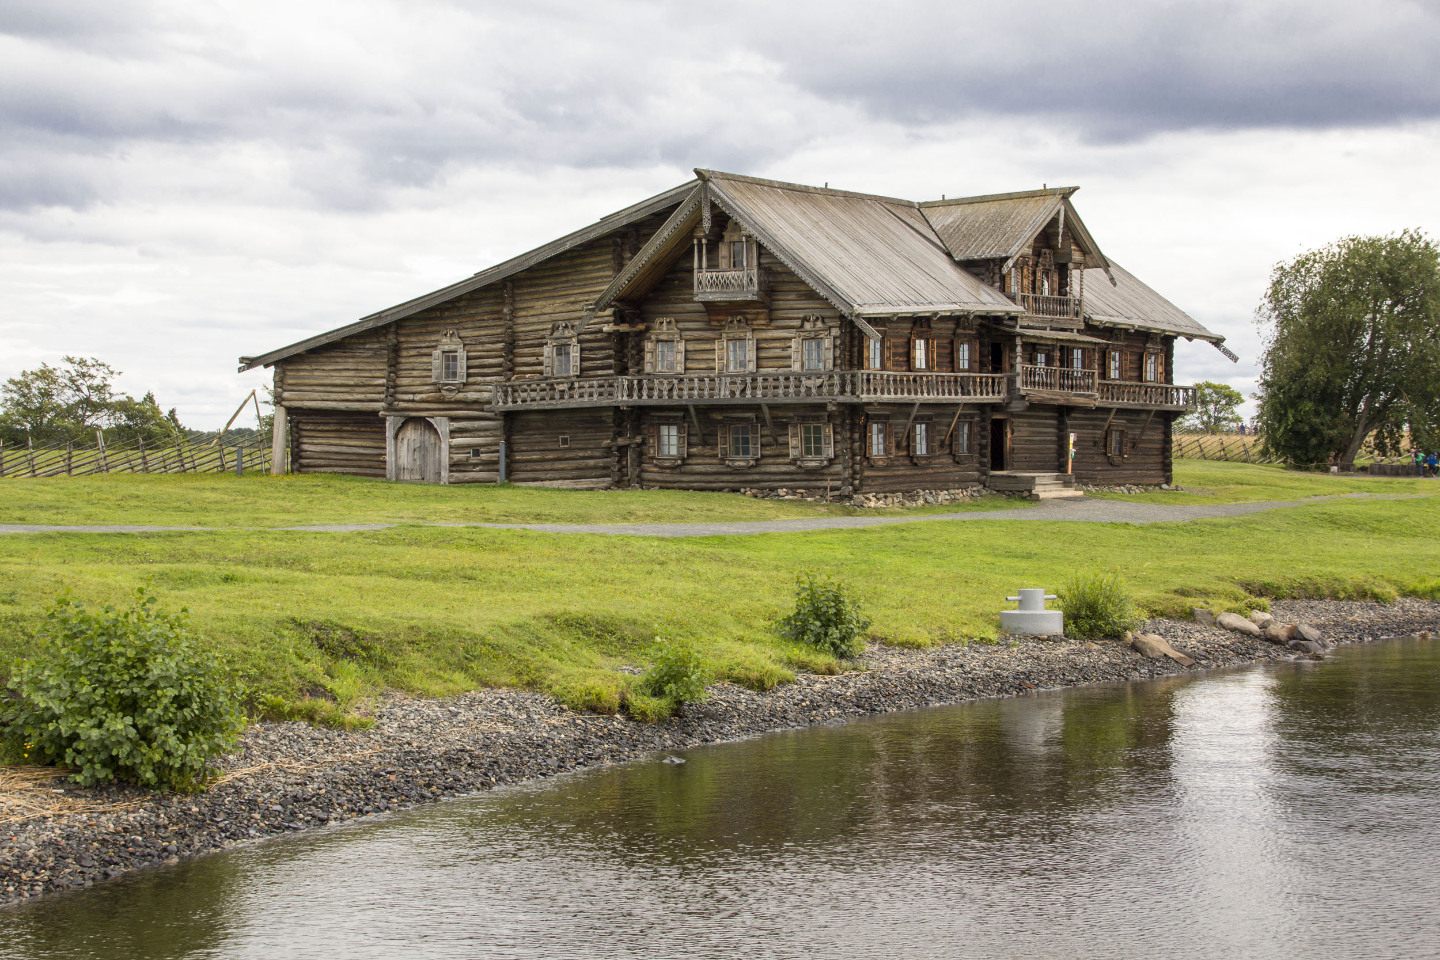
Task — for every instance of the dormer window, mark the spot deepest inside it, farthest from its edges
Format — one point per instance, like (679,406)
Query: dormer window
(562,352)
(732,270)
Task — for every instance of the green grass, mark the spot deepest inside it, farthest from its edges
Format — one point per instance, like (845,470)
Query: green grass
(1209,481)
(224,500)
(319,623)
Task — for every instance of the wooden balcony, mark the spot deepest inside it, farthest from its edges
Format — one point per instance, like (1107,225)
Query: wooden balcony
(1154,396)
(1041,383)
(1052,308)
(723,286)
(844,386)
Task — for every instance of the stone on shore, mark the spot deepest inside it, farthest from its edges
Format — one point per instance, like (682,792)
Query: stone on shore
(1307,632)
(1158,648)
(1261,619)
(1307,646)
(1237,624)
(1203,616)
(1279,633)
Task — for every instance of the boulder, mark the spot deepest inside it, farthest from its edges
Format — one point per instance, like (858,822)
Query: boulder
(1237,624)
(1261,619)
(1203,617)
(1278,633)
(1306,646)
(1157,648)
(1306,632)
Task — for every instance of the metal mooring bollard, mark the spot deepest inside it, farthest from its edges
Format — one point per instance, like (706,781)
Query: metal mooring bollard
(1032,618)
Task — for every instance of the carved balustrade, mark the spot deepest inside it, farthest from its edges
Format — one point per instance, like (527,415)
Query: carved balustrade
(1059,308)
(1124,393)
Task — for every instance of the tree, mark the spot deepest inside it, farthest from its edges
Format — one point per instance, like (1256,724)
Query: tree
(1218,408)
(73,400)
(1352,346)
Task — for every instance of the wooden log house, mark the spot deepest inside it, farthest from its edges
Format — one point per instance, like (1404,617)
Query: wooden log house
(743,333)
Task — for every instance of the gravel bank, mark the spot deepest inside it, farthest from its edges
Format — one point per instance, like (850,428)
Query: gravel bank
(288,777)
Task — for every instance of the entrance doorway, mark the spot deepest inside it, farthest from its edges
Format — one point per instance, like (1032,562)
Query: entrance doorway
(997,357)
(419,452)
(999,445)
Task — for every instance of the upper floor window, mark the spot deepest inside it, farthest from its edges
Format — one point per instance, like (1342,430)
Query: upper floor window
(813,349)
(739,251)
(1114,371)
(665,350)
(735,350)
(447,362)
(1152,367)
(962,355)
(1077,358)
(1041,358)
(562,352)
(920,354)
(874,354)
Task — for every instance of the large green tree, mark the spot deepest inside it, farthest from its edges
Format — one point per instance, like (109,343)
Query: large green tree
(1352,347)
(1217,408)
(73,400)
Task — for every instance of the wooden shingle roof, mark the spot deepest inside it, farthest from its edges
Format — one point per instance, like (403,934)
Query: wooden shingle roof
(1130,303)
(1000,226)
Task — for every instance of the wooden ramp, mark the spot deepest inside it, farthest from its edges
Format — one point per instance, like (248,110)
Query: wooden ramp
(1036,486)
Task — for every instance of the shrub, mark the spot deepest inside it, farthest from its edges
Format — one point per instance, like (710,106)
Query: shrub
(826,617)
(120,694)
(1096,607)
(679,675)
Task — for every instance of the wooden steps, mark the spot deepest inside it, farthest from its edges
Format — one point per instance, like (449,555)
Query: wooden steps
(1035,486)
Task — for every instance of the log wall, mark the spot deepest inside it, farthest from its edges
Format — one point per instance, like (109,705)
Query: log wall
(945,469)
(560,447)
(1147,447)
(330,441)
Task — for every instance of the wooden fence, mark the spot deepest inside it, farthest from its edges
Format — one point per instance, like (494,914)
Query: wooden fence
(1235,448)
(239,452)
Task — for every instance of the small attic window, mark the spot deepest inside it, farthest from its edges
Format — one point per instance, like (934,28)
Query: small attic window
(447,362)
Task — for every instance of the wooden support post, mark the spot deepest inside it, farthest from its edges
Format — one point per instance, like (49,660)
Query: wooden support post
(69,458)
(144,461)
(30,451)
(769,424)
(958,411)
(2,458)
(279,442)
(914,411)
(220,449)
(104,461)
(695,419)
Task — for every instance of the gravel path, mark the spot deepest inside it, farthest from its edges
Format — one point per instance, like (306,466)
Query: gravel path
(288,777)
(1074,511)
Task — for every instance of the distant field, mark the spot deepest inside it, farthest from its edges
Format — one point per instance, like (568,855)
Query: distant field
(322,622)
(1208,481)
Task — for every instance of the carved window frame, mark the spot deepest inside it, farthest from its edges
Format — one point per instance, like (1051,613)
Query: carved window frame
(562,335)
(1150,368)
(815,338)
(812,459)
(1117,446)
(657,429)
(885,436)
(726,439)
(736,329)
(1115,365)
(449,350)
(664,332)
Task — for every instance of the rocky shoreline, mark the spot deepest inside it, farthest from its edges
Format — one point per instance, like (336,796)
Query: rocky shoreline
(288,777)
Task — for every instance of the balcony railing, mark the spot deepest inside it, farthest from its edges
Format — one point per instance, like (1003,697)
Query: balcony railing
(742,284)
(1123,393)
(1057,308)
(1056,380)
(845,385)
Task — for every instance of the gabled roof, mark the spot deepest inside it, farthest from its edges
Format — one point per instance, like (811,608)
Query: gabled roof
(1130,303)
(869,256)
(999,226)
(496,273)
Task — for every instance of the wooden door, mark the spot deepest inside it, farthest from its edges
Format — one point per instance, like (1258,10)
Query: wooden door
(419,452)
(999,445)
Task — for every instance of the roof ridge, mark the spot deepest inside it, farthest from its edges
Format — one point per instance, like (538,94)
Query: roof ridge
(705,174)
(1064,192)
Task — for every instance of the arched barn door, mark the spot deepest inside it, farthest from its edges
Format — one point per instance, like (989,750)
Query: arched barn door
(419,452)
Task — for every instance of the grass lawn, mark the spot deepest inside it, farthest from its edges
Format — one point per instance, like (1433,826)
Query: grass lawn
(317,623)
(1213,481)
(225,500)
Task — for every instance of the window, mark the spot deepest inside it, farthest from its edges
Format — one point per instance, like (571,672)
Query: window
(962,356)
(449,366)
(921,445)
(812,439)
(737,356)
(742,444)
(812,355)
(920,354)
(1114,373)
(563,355)
(962,437)
(664,356)
(874,354)
(1115,443)
(1077,358)
(447,363)
(1152,367)
(1041,358)
(668,440)
(738,255)
(877,438)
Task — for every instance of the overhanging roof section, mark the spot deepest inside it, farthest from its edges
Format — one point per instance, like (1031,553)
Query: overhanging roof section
(998,227)
(869,256)
(1130,303)
(496,273)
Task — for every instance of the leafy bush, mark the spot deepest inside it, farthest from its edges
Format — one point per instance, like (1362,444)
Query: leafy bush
(827,617)
(119,694)
(1096,606)
(678,674)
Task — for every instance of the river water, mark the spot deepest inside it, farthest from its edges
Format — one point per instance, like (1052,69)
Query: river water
(1284,811)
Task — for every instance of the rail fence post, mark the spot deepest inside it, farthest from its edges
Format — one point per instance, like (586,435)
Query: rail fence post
(104,461)
(240,461)
(144,463)
(30,451)
(69,458)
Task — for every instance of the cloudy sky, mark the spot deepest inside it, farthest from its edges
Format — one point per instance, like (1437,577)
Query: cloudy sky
(185,182)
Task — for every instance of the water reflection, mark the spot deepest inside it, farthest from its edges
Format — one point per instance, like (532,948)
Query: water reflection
(1266,813)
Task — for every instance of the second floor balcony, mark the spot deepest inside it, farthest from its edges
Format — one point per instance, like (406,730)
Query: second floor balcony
(1051,307)
(737,285)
